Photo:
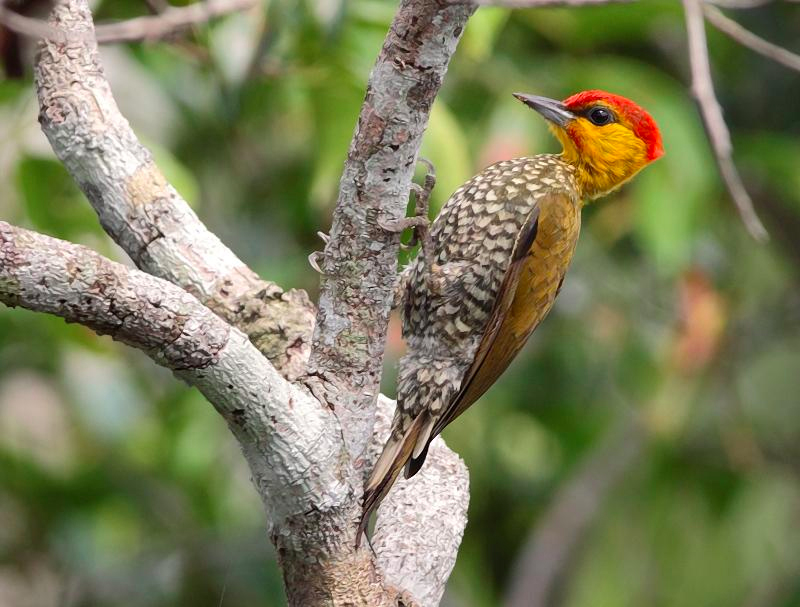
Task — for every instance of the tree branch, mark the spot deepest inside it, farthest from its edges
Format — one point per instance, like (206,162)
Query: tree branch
(292,444)
(711,112)
(740,3)
(293,452)
(153,27)
(313,530)
(745,37)
(360,259)
(26,26)
(141,211)
(169,21)
(298,461)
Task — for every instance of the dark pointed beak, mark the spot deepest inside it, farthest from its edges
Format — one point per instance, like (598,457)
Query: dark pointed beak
(552,110)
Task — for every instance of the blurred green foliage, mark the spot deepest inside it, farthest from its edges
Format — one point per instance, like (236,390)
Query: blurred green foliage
(120,486)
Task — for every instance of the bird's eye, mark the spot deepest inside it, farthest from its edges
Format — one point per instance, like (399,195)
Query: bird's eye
(600,116)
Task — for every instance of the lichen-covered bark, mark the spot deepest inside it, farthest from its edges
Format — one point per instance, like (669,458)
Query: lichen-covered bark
(292,444)
(351,579)
(188,315)
(290,441)
(140,210)
(360,260)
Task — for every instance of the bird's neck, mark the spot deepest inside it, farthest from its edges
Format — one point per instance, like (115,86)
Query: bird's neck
(595,182)
(597,171)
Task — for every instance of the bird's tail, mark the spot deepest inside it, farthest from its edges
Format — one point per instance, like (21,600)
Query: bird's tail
(424,386)
(400,450)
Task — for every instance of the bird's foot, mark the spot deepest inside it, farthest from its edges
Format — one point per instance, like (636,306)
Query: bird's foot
(422,195)
(419,222)
(420,225)
(423,192)
(314,259)
(316,256)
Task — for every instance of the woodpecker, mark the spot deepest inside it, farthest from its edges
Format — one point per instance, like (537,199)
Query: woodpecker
(493,262)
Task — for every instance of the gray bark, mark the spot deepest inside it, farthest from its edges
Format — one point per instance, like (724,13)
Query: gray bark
(49,275)
(143,213)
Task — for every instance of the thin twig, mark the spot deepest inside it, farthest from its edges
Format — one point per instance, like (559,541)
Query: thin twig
(747,38)
(171,20)
(151,27)
(33,28)
(737,4)
(711,112)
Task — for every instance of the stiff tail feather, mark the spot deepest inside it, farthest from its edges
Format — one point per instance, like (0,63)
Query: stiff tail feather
(420,452)
(415,462)
(395,454)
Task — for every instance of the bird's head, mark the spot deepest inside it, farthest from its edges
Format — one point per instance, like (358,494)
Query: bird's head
(607,138)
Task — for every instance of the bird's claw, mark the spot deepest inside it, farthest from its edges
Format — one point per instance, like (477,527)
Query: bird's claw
(313,261)
(430,174)
(314,258)
(418,189)
(421,233)
(395,226)
(419,222)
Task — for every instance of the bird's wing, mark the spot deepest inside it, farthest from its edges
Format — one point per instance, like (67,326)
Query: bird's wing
(411,447)
(500,342)
(498,345)
(507,330)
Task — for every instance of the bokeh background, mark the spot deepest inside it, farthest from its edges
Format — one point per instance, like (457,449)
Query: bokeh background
(644,449)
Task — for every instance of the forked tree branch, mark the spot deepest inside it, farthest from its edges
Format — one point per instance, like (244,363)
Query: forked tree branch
(146,216)
(143,213)
(306,466)
(293,452)
(360,259)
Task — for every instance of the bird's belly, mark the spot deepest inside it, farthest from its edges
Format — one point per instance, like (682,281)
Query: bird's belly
(542,274)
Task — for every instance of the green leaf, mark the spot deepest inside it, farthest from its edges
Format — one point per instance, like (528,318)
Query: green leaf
(772,158)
